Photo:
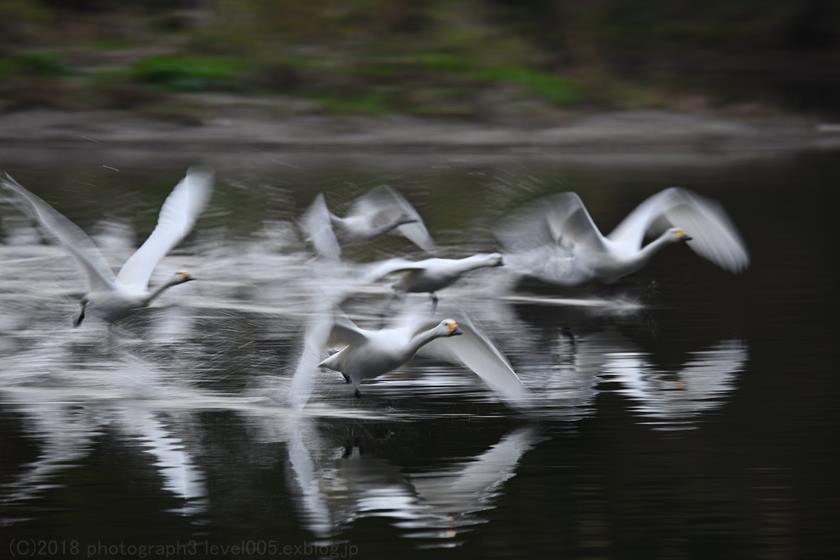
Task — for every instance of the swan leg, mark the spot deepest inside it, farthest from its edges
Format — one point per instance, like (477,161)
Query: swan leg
(78,320)
(346,378)
(434,301)
(357,393)
(569,335)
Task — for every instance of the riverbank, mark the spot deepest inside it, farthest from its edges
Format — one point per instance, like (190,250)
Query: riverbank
(627,132)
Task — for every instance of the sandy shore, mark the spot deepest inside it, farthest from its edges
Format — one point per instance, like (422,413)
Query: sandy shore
(618,133)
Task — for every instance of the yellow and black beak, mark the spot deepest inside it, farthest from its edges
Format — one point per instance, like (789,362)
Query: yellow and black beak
(185,276)
(683,236)
(454,329)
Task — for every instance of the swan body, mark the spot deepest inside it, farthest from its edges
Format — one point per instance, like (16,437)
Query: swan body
(380,211)
(372,353)
(366,354)
(556,240)
(113,297)
(431,275)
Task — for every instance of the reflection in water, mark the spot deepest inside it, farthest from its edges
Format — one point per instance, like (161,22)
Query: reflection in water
(337,485)
(677,396)
(67,422)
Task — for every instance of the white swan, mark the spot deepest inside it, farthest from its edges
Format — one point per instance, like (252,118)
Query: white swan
(381,210)
(370,353)
(430,275)
(112,297)
(555,239)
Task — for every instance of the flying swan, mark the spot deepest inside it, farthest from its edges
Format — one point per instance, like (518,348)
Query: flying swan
(379,211)
(555,239)
(113,297)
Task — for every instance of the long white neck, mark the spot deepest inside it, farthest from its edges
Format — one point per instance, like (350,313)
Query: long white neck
(162,288)
(481,260)
(422,338)
(647,252)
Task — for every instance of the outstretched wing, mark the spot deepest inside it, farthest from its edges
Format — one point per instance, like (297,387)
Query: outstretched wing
(382,205)
(714,236)
(345,332)
(177,217)
(317,227)
(557,219)
(77,243)
(474,350)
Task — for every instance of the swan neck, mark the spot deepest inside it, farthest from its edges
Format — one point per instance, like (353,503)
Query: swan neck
(652,248)
(474,262)
(421,339)
(162,288)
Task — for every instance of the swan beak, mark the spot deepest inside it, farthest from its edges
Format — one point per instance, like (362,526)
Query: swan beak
(454,329)
(457,332)
(501,262)
(184,276)
(683,236)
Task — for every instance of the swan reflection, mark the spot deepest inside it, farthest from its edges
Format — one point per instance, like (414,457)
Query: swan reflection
(337,485)
(66,423)
(700,385)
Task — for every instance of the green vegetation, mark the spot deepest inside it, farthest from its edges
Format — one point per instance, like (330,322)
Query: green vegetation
(556,89)
(193,73)
(471,58)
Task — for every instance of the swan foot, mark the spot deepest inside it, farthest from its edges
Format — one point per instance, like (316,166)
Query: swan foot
(434,301)
(78,320)
(356,393)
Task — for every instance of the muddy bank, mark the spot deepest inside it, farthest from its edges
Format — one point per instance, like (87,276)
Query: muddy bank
(637,133)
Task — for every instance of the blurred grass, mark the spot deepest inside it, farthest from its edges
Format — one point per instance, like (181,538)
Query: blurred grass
(188,73)
(472,58)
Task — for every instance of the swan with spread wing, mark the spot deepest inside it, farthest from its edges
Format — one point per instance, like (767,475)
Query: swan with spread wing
(112,297)
(555,239)
(379,211)
(366,354)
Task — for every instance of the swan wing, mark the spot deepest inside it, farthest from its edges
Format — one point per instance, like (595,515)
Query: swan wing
(571,225)
(177,217)
(714,236)
(317,227)
(315,341)
(559,219)
(384,205)
(345,332)
(76,241)
(474,350)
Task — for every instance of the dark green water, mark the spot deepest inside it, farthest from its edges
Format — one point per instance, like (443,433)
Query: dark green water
(700,425)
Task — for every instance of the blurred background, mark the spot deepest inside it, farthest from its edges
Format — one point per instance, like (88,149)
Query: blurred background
(481,60)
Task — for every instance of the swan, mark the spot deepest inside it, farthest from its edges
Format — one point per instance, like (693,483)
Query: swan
(366,354)
(555,239)
(431,275)
(379,211)
(113,297)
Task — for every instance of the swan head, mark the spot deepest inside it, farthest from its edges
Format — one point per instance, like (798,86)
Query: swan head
(181,277)
(678,235)
(496,259)
(448,327)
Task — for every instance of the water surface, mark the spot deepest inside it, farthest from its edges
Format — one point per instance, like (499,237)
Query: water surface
(682,413)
